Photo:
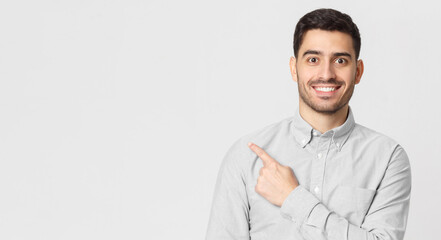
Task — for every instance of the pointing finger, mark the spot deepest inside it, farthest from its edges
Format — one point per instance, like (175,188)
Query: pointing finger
(262,154)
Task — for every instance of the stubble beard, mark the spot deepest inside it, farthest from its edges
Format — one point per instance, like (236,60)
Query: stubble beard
(324,108)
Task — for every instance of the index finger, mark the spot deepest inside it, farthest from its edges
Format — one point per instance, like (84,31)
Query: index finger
(262,154)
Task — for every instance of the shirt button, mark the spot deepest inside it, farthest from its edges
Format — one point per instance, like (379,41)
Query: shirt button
(314,133)
(316,189)
(319,155)
(304,141)
(338,144)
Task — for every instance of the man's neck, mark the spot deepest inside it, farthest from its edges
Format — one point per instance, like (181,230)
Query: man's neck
(323,122)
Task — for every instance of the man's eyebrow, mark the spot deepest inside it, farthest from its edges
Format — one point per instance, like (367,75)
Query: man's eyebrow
(315,52)
(339,54)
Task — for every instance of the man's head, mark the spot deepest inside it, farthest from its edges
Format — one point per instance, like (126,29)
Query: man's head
(328,20)
(326,65)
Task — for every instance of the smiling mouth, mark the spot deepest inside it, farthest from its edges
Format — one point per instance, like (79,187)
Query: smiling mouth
(327,89)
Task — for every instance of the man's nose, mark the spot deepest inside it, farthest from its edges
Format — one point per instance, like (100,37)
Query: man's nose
(327,71)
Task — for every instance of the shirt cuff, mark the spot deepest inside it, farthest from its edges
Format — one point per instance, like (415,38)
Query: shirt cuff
(298,205)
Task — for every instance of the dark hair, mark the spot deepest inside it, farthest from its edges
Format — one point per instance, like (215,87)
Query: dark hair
(329,20)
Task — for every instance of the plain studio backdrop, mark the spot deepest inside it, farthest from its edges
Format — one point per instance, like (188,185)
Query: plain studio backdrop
(115,115)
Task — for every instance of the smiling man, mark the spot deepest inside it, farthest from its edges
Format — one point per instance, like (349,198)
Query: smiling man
(317,174)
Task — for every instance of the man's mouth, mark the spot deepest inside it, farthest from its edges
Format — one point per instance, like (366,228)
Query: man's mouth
(326,89)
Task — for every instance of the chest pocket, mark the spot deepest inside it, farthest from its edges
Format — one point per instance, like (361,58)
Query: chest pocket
(351,203)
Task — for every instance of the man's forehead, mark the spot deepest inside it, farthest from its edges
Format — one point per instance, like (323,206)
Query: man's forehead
(326,42)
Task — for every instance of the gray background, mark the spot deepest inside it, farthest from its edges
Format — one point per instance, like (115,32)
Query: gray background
(115,115)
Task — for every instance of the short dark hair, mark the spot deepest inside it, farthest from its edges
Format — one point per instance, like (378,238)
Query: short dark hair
(329,20)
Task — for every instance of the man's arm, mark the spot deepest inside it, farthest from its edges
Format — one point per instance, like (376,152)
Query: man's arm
(386,218)
(229,218)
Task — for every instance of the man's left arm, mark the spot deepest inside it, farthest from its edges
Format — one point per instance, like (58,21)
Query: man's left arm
(386,218)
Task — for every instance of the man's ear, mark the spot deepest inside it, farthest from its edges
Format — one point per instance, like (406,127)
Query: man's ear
(359,73)
(292,67)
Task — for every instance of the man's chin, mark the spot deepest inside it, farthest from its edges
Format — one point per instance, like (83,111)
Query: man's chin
(327,109)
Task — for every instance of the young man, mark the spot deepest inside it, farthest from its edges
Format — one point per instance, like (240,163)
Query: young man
(317,174)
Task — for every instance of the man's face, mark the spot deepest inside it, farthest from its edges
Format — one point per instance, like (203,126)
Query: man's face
(326,70)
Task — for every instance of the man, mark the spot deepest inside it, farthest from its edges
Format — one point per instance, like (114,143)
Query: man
(317,174)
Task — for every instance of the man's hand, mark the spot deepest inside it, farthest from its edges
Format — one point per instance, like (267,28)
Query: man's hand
(275,181)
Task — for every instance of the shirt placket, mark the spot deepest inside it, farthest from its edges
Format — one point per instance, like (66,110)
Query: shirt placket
(318,167)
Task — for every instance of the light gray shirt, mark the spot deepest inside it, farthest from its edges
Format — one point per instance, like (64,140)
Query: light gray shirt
(354,184)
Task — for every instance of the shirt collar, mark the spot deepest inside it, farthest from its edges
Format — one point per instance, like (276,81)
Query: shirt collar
(303,132)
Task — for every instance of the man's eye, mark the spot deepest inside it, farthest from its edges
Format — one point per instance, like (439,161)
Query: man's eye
(340,61)
(312,60)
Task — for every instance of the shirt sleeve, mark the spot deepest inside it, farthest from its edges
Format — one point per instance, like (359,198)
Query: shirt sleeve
(386,218)
(229,217)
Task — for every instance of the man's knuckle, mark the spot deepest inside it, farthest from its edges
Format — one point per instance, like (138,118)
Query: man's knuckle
(272,165)
(257,188)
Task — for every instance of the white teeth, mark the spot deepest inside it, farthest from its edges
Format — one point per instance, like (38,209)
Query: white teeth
(325,89)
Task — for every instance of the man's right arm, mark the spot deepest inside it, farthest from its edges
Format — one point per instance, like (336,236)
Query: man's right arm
(229,218)
(386,218)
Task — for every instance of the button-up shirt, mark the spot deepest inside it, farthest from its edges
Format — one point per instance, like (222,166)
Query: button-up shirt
(354,184)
